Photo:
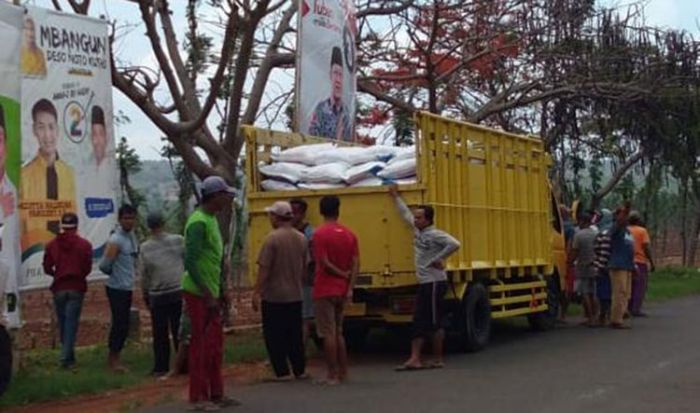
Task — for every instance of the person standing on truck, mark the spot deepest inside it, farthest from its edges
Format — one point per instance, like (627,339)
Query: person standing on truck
(431,248)
(161,267)
(582,256)
(201,286)
(282,265)
(119,262)
(621,265)
(337,257)
(68,259)
(643,262)
(299,208)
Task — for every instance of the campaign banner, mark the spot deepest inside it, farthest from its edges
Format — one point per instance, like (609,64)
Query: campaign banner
(68,162)
(10,143)
(326,69)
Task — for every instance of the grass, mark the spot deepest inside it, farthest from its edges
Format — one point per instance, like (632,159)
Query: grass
(42,380)
(673,282)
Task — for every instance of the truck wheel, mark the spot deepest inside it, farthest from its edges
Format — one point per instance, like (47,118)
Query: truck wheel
(5,359)
(356,338)
(476,313)
(546,320)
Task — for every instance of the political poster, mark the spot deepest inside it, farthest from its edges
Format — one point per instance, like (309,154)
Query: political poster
(10,142)
(326,85)
(68,162)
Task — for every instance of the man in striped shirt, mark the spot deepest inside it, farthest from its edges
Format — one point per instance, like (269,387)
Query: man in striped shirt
(602,253)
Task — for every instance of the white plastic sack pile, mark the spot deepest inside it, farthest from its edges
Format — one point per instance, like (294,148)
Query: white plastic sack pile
(399,169)
(305,154)
(286,171)
(325,166)
(331,173)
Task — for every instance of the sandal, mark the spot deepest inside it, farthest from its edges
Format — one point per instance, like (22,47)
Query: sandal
(204,407)
(226,402)
(408,367)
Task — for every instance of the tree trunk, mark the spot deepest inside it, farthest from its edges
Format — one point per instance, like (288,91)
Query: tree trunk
(693,242)
(615,178)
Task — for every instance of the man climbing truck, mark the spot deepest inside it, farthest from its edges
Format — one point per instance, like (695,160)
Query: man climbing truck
(489,190)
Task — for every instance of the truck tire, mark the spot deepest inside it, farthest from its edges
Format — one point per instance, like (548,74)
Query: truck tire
(476,318)
(5,359)
(546,320)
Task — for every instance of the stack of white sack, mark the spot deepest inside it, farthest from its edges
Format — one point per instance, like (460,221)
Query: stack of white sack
(325,166)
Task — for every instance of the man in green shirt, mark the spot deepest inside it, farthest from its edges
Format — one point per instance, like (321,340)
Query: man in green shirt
(201,287)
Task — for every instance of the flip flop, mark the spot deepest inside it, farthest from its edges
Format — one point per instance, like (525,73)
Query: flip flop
(407,367)
(227,402)
(437,365)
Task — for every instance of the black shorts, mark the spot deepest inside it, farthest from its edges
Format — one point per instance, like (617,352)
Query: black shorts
(430,309)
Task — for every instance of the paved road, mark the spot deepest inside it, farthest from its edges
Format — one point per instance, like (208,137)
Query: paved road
(655,367)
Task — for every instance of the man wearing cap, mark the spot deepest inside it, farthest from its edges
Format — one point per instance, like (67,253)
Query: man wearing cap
(282,266)
(68,259)
(161,266)
(201,287)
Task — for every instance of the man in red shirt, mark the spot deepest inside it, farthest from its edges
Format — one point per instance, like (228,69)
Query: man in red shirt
(337,263)
(68,259)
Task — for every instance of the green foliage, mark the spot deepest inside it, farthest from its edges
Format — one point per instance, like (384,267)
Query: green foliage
(673,282)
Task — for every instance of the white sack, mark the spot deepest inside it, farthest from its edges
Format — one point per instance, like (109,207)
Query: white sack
(399,169)
(353,155)
(290,172)
(331,173)
(373,181)
(363,171)
(305,154)
(406,152)
(381,152)
(275,185)
(320,186)
(411,180)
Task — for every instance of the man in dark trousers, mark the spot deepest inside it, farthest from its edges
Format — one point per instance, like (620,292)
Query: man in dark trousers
(161,267)
(282,265)
(431,248)
(68,259)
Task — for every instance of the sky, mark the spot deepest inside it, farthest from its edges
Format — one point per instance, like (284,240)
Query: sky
(145,138)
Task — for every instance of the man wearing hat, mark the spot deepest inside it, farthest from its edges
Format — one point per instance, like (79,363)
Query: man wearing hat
(68,259)
(161,266)
(201,287)
(282,266)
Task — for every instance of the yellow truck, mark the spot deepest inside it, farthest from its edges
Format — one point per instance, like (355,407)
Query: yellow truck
(490,191)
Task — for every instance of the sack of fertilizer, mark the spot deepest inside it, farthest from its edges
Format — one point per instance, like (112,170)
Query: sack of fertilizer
(353,155)
(399,169)
(305,154)
(275,185)
(363,171)
(286,171)
(381,152)
(331,173)
(411,180)
(320,186)
(372,181)
(402,153)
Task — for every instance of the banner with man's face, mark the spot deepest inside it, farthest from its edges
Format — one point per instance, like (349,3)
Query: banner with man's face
(10,140)
(326,86)
(68,162)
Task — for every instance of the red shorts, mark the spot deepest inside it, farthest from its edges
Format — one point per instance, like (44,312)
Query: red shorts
(570,279)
